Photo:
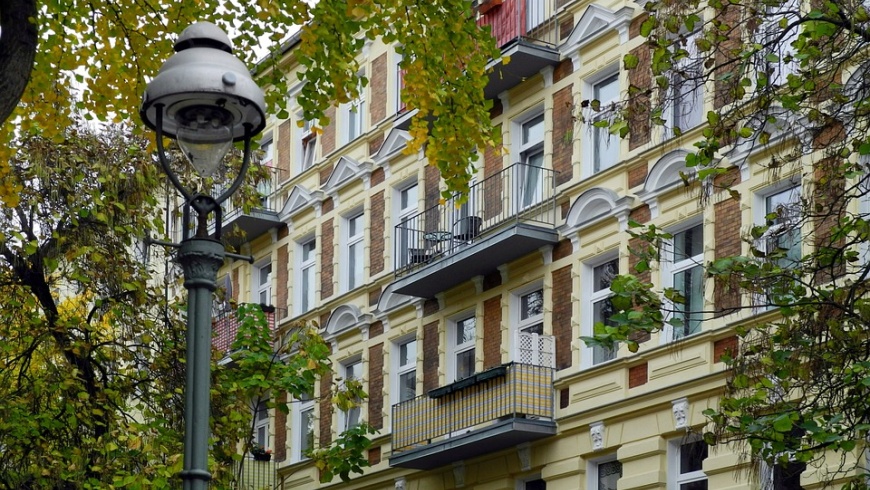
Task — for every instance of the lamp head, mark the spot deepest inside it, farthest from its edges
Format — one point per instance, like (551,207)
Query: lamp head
(207,97)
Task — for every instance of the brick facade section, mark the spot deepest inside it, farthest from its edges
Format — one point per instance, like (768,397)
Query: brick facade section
(492,332)
(283,157)
(375,144)
(326,409)
(327,256)
(430,307)
(565,28)
(378,176)
(636,245)
(376,386)
(374,297)
(827,210)
(325,172)
(492,190)
(327,206)
(562,304)
(562,70)
(280,444)
(726,235)
(431,192)
(563,134)
(376,328)
(724,85)
(640,85)
(637,175)
(376,234)
(374,455)
(634,27)
(379,89)
(234,279)
(283,276)
(283,231)
(496,110)
(564,398)
(638,375)
(562,249)
(728,345)
(729,178)
(430,356)
(327,142)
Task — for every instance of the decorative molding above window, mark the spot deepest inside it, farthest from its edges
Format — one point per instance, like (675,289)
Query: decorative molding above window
(346,317)
(346,171)
(395,141)
(788,125)
(299,199)
(596,22)
(390,300)
(594,206)
(663,177)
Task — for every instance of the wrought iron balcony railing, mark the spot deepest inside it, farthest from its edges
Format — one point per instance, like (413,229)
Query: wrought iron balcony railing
(508,391)
(519,193)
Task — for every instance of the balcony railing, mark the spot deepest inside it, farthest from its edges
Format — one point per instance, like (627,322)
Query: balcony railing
(250,474)
(225,323)
(527,20)
(505,392)
(518,194)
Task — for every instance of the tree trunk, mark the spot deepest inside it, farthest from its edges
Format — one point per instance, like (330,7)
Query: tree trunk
(18,40)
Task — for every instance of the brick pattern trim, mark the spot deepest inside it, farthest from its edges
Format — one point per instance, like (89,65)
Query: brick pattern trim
(379,88)
(376,328)
(377,234)
(374,455)
(637,175)
(283,158)
(430,356)
(325,172)
(563,133)
(492,340)
(728,345)
(638,375)
(640,83)
(726,232)
(432,194)
(327,256)
(328,140)
(562,249)
(375,145)
(565,67)
(562,305)
(378,176)
(376,386)
(326,409)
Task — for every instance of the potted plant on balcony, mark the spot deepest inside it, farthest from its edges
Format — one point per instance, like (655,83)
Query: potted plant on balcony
(260,453)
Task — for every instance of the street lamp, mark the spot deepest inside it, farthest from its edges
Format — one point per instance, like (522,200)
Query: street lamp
(203,97)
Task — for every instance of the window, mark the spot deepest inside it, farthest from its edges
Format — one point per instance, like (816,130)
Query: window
(351,418)
(604,474)
(532,312)
(267,147)
(307,260)
(400,80)
(782,215)
(354,251)
(307,145)
(687,88)
(531,346)
(406,370)
(302,427)
(531,153)
(684,271)
(782,476)
(605,147)
(597,279)
(685,465)
(462,340)
(261,423)
(775,58)
(354,115)
(263,276)
(406,233)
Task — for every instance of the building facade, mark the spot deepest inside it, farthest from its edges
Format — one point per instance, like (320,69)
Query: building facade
(464,321)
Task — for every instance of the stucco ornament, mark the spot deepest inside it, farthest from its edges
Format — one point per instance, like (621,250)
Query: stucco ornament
(681,413)
(596,435)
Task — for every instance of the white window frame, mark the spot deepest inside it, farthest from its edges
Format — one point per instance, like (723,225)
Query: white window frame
(519,324)
(592,475)
(407,239)
(263,290)
(592,165)
(299,408)
(306,140)
(676,107)
(354,115)
(669,269)
(399,84)
(263,423)
(401,370)
(351,369)
(587,325)
(455,348)
(307,270)
(529,149)
(675,449)
(354,251)
(267,145)
(770,29)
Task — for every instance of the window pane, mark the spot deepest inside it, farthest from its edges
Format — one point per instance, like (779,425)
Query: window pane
(465,331)
(695,485)
(407,386)
(307,430)
(608,474)
(607,90)
(408,353)
(690,283)
(308,250)
(602,275)
(688,243)
(464,364)
(306,288)
(533,130)
(408,197)
(532,304)
(264,274)
(692,455)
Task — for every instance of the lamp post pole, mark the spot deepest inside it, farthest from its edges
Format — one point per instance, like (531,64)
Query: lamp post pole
(204,98)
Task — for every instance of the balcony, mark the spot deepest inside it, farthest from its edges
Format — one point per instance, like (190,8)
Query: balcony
(527,32)
(240,225)
(225,324)
(489,411)
(505,217)
(254,475)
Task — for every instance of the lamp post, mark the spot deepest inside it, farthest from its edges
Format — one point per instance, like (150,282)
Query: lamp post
(205,98)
